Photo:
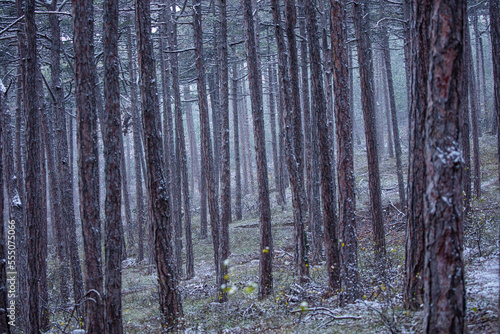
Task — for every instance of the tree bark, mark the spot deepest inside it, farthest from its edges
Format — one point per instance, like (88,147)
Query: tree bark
(169,296)
(114,166)
(444,298)
(415,234)
(295,139)
(345,153)
(34,156)
(206,142)
(361,24)
(254,77)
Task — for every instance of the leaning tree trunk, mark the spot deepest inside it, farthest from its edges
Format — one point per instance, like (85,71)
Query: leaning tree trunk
(254,77)
(169,296)
(444,284)
(361,24)
(345,154)
(114,166)
(236,143)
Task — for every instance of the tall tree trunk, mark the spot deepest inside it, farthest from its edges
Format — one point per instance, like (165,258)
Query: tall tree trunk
(213,204)
(114,166)
(445,308)
(296,145)
(138,150)
(474,108)
(193,148)
(413,293)
(169,296)
(345,153)
(60,224)
(480,83)
(254,77)
(180,143)
(465,140)
(225,158)
(394,115)
(34,182)
(86,113)
(5,238)
(236,141)
(494,11)
(361,24)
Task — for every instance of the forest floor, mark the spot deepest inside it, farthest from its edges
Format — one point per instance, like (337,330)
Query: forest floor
(306,308)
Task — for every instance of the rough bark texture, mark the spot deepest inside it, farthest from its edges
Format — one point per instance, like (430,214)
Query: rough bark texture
(206,142)
(361,24)
(114,162)
(443,219)
(254,77)
(225,158)
(86,113)
(345,154)
(414,259)
(169,296)
(34,174)
(295,156)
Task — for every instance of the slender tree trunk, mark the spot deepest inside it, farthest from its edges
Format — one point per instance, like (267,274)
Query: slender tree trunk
(413,293)
(465,140)
(225,158)
(296,145)
(236,141)
(361,24)
(480,87)
(474,107)
(494,11)
(445,307)
(114,166)
(345,153)
(254,77)
(180,143)
(193,148)
(245,154)
(206,142)
(169,296)
(57,187)
(394,115)
(5,238)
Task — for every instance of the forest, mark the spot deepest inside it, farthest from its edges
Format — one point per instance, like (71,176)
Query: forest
(251,166)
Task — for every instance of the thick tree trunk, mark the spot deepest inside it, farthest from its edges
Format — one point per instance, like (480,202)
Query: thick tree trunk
(345,154)
(34,182)
(413,293)
(445,307)
(361,24)
(254,77)
(86,114)
(169,296)
(114,166)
